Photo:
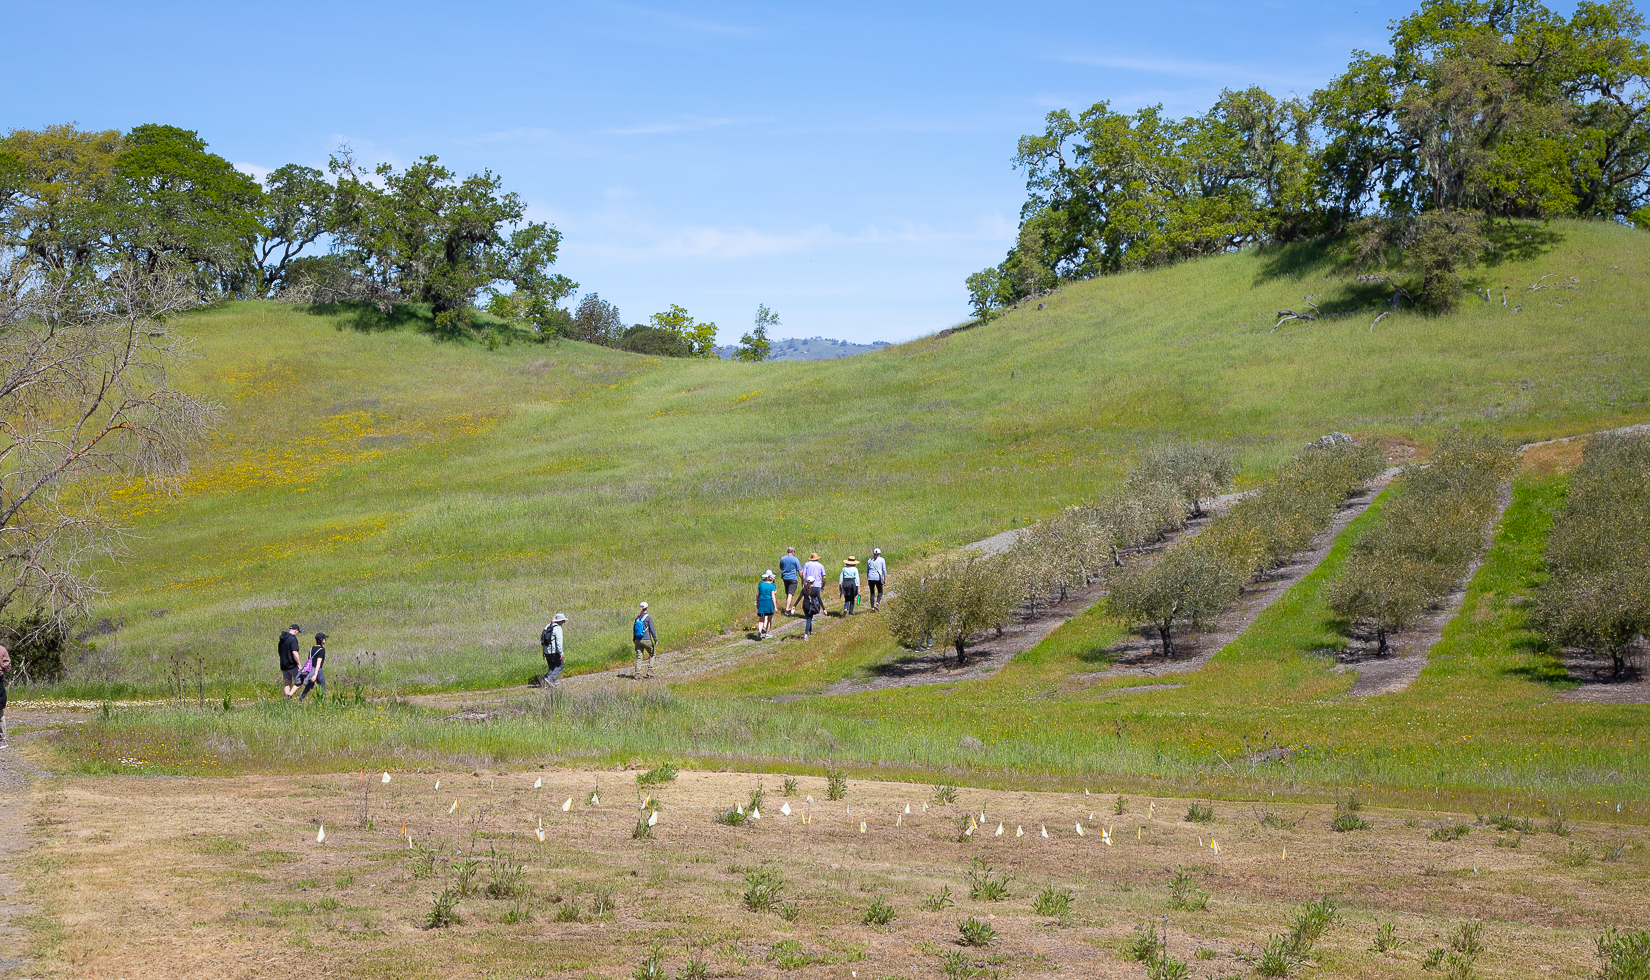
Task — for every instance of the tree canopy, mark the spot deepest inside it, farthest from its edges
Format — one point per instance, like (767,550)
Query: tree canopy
(1483,110)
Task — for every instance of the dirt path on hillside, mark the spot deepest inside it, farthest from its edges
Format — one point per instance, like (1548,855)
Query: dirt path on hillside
(15,776)
(1142,655)
(1407,652)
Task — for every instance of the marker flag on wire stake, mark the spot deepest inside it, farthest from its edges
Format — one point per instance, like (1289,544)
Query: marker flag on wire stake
(540,832)
(321,835)
(386,778)
(907,809)
(454,807)
(1079,830)
(537,783)
(999,830)
(862,826)
(785,809)
(1214,845)
(1019,831)
(1045,830)
(568,805)
(899,821)
(653,818)
(438,784)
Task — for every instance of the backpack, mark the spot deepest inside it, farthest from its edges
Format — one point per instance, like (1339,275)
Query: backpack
(547,635)
(639,628)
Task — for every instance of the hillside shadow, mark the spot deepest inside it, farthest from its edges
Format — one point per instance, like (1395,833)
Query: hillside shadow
(367,318)
(1517,241)
(1297,260)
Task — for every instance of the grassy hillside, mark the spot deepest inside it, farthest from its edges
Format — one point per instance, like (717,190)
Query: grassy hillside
(434,503)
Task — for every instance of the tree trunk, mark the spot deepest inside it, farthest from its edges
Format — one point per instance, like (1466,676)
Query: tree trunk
(1380,639)
(1620,663)
(961,657)
(1168,641)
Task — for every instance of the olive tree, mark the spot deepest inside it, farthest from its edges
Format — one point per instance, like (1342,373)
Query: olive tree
(952,600)
(1189,587)
(1196,471)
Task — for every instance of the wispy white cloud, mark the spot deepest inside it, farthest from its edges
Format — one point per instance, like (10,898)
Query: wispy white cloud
(691,124)
(1214,71)
(254,171)
(618,239)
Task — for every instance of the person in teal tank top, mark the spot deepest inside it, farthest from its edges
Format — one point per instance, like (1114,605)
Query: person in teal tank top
(765,607)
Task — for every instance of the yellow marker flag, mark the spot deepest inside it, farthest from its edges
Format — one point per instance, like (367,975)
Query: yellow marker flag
(1019,831)
(540,832)
(1079,830)
(568,805)
(862,826)
(454,807)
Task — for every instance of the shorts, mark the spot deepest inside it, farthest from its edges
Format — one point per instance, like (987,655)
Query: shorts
(790,586)
(289,676)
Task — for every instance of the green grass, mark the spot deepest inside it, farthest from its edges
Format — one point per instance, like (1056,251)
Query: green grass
(434,502)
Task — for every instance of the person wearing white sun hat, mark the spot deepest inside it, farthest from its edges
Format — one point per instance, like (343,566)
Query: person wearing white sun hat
(765,606)
(876,573)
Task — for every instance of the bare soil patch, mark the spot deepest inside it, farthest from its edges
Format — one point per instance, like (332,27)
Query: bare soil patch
(1595,675)
(181,878)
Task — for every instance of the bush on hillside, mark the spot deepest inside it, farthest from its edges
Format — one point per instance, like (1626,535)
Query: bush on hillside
(1597,595)
(952,600)
(642,339)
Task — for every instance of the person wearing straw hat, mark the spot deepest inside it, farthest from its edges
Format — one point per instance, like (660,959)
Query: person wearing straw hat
(647,641)
(876,573)
(554,650)
(765,607)
(848,584)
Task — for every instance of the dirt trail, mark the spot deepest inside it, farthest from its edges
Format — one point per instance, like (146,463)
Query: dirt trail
(1408,651)
(15,776)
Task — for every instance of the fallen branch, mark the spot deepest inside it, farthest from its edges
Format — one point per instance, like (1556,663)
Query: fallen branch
(1378,319)
(1284,316)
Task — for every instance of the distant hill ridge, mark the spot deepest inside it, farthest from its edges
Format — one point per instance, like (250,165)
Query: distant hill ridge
(808,349)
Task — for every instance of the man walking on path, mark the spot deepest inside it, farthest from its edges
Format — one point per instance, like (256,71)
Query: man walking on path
(848,584)
(288,650)
(647,641)
(876,572)
(313,669)
(790,567)
(551,638)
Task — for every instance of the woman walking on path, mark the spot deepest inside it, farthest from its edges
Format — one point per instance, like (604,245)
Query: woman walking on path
(813,576)
(313,669)
(765,605)
(876,572)
(647,641)
(812,605)
(848,584)
(5,668)
(553,652)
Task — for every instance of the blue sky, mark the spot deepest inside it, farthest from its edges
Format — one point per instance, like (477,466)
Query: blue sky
(846,164)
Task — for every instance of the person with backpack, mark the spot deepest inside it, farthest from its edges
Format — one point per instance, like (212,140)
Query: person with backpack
(812,605)
(790,569)
(551,640)
(647,641)
(765,605)
(848,584)
(312,672)
(287,649)
(876,573)
(813,575)
(5,671)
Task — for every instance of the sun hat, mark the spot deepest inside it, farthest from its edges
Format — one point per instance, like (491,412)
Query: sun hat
(319,637)
(875,552)
(558,618)
(814,556)
(850,560)
(768,573)
(644,605)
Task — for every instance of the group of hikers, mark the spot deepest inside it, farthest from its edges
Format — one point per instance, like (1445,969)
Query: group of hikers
(804,582)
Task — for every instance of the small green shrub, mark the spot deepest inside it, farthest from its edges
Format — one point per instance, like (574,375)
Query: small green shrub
(1612,854)
(1467,938)
(568,912)
(939,901)
(976,932)
(694,969)
(652,968)
(424,859)
(733,817)
(1052,902)
(1164,968)
(1144,945)
(1556,825)
(1458,966)
(1205,953)
(1522,825)
(1121,806)
(789,788)
(602,901)
(1346,816)
(643,830)
(519,910)
(880,913)
(790,912)
(758,797)
(1575,855)
(1516,840)
(945,793)
(763,888)
(1624,955)
(985,885)
(836,784)
(1309,923)
(1272,960)
(956,965)
(464,877)
(1434,958)
(1274,821)
(443,910)
(1449,832)
(1386,939)
(1184,893)
(965,828)
(1200,813)
(664,773)
(505,875)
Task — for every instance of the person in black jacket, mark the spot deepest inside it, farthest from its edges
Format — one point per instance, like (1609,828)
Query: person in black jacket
(317,660)
(288,650)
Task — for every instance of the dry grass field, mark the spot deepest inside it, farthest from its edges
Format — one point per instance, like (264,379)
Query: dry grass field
(176,877)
